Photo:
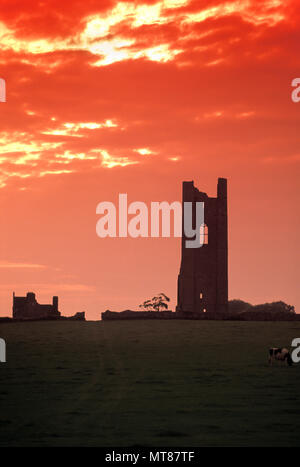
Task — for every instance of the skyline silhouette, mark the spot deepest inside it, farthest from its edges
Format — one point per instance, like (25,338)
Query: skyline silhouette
(112,99)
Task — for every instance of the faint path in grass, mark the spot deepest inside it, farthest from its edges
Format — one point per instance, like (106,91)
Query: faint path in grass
(139,383)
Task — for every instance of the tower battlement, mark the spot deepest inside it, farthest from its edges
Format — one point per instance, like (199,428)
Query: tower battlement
(28,308)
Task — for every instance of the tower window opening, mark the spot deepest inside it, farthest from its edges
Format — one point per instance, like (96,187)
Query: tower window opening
(201,295)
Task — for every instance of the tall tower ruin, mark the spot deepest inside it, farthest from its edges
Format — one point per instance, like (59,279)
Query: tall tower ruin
(203,276)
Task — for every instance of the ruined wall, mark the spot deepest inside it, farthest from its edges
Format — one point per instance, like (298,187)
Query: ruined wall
(26,308)
(162,315)
(203,277)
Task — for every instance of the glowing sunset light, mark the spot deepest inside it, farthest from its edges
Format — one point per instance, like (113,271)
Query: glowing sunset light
(13,265)
(132,97)
(144,151)
(216,114)
(28,147)
(72,129)
(245,114)
(110,161)
(54,172)
(68,155)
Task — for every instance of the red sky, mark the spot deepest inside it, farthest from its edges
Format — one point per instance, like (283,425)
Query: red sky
(204,86)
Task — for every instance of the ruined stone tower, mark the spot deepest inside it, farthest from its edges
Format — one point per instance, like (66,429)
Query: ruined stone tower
(203,277)
(28,308)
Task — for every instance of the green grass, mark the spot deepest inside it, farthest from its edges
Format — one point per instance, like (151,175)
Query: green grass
(148,383)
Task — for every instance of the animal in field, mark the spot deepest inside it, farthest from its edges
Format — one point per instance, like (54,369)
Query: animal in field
(280,355)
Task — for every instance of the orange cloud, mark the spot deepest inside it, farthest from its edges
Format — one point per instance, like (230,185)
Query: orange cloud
(108,97)
(15,265)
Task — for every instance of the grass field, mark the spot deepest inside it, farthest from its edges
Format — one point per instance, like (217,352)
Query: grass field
(148,383)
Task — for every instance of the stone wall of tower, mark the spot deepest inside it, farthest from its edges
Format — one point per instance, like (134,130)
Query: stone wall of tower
(28,308)
(222,247)
(203,280)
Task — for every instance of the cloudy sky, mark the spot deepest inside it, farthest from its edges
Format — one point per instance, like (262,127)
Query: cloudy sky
(107,97)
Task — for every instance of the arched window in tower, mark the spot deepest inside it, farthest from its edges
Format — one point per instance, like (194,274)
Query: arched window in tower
(203,234)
